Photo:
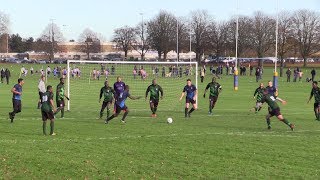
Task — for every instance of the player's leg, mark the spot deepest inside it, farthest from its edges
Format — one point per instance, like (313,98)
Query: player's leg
(186,108)
(108,108)
(103,106)
(281,118)
(51,117)
(40,100)
(62,109)
(194,107)
(117,111)
(126,109)
(155,103)
(44,122)
(316,111)
(151,103)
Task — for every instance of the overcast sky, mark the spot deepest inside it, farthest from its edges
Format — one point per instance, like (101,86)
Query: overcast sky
(29,17)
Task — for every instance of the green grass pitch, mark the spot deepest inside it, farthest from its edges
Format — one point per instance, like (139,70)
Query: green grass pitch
(234,143)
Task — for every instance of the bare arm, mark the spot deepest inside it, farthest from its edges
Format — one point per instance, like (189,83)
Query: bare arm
(134,97)
(52,105)
(182,94)
(13,90)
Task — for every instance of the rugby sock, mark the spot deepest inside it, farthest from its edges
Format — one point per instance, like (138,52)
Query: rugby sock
(111,117)
(51,127)
(210,108)
(191,110)
(259,108)
(44,127)
(108,112)
(155,110)
(152,110)
(268,122)
(62,112)
(286,122)
(125,115)
(185,112)
(101,114)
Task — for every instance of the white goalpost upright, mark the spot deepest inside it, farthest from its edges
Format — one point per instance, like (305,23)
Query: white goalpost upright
(173,83)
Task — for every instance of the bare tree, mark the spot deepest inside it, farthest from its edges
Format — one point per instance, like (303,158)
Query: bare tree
(263,34)
(51,35)
(162,33)
(141,43)
(284,36)
(218,35)
(183,36)
(4,31)
(306,29)
(124,37)
(199,23)
(91,42)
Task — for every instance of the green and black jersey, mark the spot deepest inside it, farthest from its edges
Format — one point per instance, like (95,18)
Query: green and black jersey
(259,92)
(107,93)
(316,93)
(46,98)
(155,91)
(270,100)
(60,92)
(214,89)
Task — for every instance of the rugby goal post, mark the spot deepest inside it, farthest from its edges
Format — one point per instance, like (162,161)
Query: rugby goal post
(171,81)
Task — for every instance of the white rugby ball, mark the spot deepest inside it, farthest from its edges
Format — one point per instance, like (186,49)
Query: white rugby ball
(169,120)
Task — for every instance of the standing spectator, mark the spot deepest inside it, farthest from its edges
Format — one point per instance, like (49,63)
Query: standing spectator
(288,72)
(202,74)
(300,73)
(48,71)
(313,74)
(163,73)
(113,70)
(257,74)
(295,75)
(251,69)
(180,71)
(7,74)
(3,75)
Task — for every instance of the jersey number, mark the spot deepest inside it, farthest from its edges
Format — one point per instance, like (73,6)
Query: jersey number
(44,98)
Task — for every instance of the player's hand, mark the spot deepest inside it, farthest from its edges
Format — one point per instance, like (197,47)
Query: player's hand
(284,102)
(180,99)
(204,95)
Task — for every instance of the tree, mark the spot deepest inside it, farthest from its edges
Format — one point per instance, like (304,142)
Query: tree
(124,37)
(199,23)
(306,30)
(218,35)
(141,40)
(16,43)
(262,34)
(162,33)
(91,42)
(284,36)
(51,35)
(28,43)
(4,31)
(183,36)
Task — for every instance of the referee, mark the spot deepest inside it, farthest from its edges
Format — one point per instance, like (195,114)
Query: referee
(41,89)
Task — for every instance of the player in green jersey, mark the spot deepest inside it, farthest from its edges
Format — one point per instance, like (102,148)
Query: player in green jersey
(215,89)
(274,109)
(60,94)
(47,110)
(258,95)
(155,91)
(315,91)
(107,93)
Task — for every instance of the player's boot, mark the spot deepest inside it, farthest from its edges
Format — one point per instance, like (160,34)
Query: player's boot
(11,117)
(106,121)
(210,113)
(123,121)
(269,127)
(292,127)
(53,134)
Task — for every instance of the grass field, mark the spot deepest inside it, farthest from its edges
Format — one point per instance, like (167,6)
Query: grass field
(234,143)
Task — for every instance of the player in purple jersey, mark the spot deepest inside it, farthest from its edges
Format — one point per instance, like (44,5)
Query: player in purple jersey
(120,105)
(118,87)
(191,93)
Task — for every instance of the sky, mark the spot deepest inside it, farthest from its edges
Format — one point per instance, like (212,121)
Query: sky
(30,17)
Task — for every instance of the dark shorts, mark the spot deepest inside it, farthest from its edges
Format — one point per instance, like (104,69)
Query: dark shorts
(213,99)
(60,103)
(274,112)
(47,115)
(16,105)
(315,105)
(188,100)
(40,96)
(155,102)
(118,109)
(105,104)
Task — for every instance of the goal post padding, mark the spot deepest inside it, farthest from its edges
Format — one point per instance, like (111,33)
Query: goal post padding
(86,88)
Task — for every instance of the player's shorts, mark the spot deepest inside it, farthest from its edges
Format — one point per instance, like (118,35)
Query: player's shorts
(188,100)
(155,102)
(105,104)
(213,99)
(118,109)
(47,115)
(274,112)
(60,103)
(16,105)
(316,105)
